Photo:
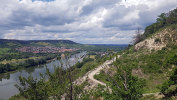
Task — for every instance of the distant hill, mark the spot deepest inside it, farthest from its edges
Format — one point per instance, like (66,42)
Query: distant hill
(19,43)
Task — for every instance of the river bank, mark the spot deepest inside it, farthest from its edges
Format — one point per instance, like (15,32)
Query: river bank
(8,80)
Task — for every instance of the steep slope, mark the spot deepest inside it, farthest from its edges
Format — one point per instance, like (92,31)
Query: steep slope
(159,40)
(153,59)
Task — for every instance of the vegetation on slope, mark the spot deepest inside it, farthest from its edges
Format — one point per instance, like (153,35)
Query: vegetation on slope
(163,20)
(169,87)
(152,63)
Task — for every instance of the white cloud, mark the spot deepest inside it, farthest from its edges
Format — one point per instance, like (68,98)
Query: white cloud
(83,21)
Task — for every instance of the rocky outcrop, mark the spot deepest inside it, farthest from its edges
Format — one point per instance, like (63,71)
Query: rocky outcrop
(158,41)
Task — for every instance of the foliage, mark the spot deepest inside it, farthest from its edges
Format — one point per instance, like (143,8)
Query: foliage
(57,83)
(79,90)
(149,97)
(96,94)
(102,77)
(97,48)
(157,40)
(7,67)
(23,63)
(33,89)
(173,60)
(153,66)
(163,20)
(169,88)
(125,86)
(85,60)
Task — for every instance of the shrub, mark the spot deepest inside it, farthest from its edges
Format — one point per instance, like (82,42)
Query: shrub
(169,88)
(157,40)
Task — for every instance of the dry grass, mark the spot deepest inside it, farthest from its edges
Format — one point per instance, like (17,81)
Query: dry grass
(92,56)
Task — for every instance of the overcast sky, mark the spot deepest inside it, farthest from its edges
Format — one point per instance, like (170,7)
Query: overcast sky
(83,21)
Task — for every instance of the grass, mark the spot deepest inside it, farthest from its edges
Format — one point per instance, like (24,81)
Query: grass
(102,77)
(85,68)
(153,81)
(155,66)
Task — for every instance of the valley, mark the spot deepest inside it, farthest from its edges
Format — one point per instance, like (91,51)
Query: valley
(82,55)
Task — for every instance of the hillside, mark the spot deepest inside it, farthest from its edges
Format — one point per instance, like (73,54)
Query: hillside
(151,64)
(159,40)
(145,71)
(19,43)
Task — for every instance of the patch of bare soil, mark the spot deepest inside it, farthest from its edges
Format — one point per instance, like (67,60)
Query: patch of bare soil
(139,73)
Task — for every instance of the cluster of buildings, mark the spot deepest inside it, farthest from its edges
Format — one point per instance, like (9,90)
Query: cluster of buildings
(46,49)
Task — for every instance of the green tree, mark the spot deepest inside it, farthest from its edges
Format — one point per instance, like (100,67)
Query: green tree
(125,86)
(161,20)
(57,82)
(33,89)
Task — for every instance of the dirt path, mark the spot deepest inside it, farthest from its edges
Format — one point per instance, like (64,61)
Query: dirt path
(157,95)
(97,71)
(90,77)
(93,82)
(151,94)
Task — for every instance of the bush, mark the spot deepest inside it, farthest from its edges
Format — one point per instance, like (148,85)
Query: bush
(85,60)
(173,60)
(163,20)
(157,40)
(169,88)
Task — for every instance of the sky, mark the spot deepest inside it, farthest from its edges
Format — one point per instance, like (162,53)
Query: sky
(82,21)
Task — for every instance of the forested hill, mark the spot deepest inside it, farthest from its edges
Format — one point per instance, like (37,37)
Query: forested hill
(16,43)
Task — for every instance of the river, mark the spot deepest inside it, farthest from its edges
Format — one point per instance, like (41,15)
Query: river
(8,80)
